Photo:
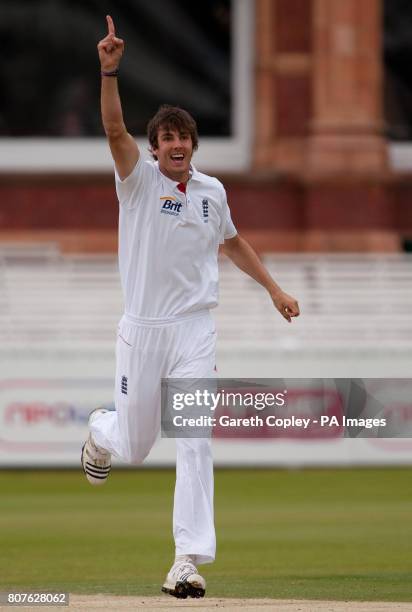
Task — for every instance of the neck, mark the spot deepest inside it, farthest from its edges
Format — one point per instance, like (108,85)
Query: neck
(178,177)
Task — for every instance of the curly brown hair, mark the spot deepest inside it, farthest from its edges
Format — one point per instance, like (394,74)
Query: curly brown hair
(171,118)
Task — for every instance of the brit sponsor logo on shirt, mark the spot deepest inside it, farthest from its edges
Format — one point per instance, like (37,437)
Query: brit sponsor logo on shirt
(171,206)
(205,206)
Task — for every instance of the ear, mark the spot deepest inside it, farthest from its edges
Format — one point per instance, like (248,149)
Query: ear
(153,152)
(154,148)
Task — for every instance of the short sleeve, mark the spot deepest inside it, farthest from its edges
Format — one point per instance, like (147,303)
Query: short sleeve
(227,228)
(129,190)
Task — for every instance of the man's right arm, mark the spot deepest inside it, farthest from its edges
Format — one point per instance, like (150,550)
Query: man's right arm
(123,147)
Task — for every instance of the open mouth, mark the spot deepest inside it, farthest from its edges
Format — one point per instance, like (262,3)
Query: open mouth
(178,157)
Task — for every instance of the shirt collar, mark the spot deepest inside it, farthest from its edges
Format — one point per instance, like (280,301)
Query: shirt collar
(194,175)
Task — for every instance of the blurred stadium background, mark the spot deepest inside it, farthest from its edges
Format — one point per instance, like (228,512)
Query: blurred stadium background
(304,109)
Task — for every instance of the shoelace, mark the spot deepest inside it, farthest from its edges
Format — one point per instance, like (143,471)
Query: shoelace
(103,455)
(184,570)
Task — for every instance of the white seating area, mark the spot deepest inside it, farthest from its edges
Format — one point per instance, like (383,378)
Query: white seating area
(356,312)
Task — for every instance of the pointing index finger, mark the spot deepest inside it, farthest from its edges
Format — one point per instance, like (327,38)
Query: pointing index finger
(110,25)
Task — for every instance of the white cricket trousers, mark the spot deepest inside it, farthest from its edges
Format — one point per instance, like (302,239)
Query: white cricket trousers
(148,350)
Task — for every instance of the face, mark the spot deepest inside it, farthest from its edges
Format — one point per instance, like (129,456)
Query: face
(174,152)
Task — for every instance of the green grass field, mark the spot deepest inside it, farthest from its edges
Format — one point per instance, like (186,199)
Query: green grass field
(317,534)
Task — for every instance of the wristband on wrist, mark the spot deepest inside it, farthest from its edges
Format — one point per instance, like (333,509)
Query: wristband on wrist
(110,73)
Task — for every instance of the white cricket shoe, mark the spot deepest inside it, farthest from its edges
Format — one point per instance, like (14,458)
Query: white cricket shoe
(96,461)
(183,580)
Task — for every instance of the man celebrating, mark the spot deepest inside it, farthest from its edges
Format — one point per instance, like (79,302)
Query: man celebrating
(172,220)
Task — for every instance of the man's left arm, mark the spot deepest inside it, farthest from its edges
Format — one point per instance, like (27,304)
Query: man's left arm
(246,259)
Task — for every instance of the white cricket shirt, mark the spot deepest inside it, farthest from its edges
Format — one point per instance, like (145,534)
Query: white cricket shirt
(169,241)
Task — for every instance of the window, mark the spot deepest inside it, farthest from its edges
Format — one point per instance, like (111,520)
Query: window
(195,55)
(397,26)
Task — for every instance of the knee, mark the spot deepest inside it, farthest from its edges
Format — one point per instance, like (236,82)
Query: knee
(137,454)
(135,441)
(134,458)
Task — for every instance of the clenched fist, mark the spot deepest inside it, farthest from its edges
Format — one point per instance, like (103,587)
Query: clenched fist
(110,48)
(286,304)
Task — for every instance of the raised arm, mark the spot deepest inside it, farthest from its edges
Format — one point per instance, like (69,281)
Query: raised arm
(122,145)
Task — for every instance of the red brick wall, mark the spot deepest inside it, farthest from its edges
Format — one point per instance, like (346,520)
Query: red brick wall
(292,24)
(67,203)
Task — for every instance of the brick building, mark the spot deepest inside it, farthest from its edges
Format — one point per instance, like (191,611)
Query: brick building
(320,178)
